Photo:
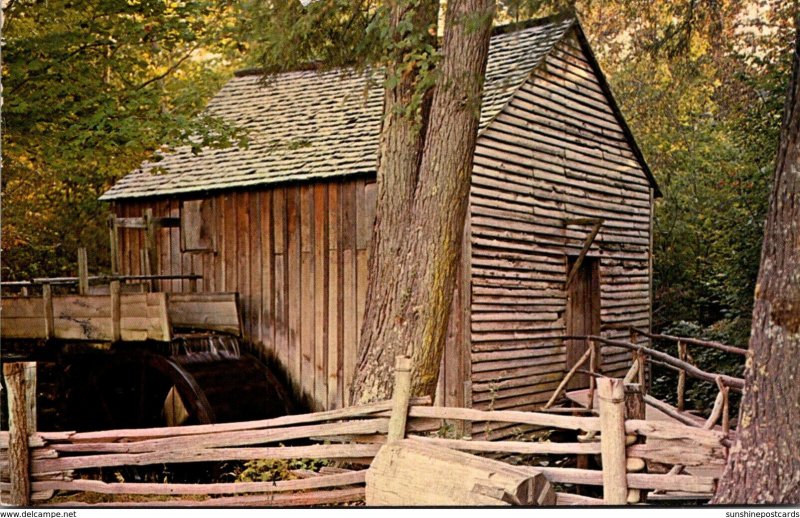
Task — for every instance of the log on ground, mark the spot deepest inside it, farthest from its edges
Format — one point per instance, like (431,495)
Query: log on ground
(409,473)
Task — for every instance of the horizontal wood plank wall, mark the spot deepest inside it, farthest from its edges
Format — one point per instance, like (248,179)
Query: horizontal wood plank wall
(556,151)
(297,255)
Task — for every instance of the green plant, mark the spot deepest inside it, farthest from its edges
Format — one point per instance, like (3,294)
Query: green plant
(270,470)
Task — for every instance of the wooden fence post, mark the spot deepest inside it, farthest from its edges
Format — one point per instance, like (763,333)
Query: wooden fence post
(634,409)
(18,453)
(726,413)
(611,403)
(83,271)
(592,367)
(400,398)
(681,378)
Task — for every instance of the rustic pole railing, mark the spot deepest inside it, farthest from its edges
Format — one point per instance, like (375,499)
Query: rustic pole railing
(19,462)
(730,381)
(694,341)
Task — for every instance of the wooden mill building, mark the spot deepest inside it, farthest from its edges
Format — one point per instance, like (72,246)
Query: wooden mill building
(286,222)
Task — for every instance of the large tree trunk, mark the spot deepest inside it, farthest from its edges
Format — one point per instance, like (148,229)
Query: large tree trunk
(764,465)
(423,187)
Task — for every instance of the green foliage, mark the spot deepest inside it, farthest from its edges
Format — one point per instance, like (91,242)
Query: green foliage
(270,470)
(284,35)
(701,84)
(700,395)
(91,89)
(327,34)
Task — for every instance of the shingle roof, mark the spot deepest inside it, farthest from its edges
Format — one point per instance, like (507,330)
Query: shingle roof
(304,125)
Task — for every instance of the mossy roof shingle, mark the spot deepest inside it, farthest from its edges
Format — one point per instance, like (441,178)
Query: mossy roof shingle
(308,125)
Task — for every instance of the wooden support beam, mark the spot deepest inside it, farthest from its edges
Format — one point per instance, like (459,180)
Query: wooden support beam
(611,397)
(581,221)
(113,239)
(633,372)
(670,411)
(151,266)
(400,398)
(592,364)
(101,278)
(567,379)
(141,224)
(83,271)
(116,330)
(49,319)
(582,255)
(19,462)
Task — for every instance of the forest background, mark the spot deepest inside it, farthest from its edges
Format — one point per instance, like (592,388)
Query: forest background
(91,88)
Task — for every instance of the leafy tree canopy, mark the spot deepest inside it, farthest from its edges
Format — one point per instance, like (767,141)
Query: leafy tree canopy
(91,89)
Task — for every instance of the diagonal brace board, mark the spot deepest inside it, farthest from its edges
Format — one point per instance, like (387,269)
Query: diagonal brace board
(598,222)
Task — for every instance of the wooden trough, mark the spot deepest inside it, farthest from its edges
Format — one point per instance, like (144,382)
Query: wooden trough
(126,317)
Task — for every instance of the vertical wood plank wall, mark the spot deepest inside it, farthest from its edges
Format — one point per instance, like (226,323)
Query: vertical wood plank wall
(555,152)
(297,253)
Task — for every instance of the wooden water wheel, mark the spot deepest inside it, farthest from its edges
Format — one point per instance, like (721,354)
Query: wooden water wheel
(139,388)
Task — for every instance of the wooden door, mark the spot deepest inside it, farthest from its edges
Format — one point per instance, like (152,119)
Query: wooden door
(583,314)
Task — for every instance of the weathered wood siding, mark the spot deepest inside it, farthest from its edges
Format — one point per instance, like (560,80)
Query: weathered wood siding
(555,152)
(297,255)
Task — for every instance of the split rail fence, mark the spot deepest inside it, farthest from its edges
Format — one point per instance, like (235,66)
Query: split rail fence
(53,468)
(643,358)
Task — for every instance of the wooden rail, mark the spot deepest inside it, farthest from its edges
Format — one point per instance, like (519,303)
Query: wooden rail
(729,381)
(57,461)
(118,316)
(41,281)
(643,355)
(694,341)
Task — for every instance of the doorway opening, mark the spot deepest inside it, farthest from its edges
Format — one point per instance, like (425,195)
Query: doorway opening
(583,313)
